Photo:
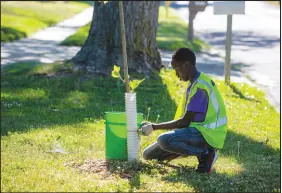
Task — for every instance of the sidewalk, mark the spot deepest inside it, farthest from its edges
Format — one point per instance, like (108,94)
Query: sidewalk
(44,45)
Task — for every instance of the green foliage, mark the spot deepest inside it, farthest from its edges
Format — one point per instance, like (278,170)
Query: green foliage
(115,72)
(132,83)
(10,34)
(22,18)
(42,111)
(135,83)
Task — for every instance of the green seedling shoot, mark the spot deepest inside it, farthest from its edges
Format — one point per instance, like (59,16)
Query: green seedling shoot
(157,118)
(149,108)
(132,83)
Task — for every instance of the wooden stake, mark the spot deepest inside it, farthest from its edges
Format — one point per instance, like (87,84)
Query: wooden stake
(124,47)
(227,66)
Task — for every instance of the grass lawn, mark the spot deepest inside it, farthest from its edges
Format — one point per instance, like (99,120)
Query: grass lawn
(22,18)
(78,38)
(172,32)
(171,35)
(41,111)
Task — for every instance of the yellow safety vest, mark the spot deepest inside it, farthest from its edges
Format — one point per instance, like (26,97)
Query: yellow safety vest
(214,127)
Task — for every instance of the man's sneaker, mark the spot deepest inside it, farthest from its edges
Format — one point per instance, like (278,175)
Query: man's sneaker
(206,161)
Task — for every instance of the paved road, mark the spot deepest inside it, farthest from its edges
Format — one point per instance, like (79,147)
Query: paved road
(255,41)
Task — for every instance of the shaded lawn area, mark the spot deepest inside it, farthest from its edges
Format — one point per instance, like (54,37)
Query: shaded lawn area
(41,111)
(22,18)
(171,34)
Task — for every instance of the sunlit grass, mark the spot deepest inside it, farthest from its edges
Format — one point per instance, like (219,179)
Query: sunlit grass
(78,38)
(15,27)
(229,166)
(172,32)
(22,18)
(43,113)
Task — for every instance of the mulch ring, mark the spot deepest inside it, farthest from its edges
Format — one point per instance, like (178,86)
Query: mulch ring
(102,167)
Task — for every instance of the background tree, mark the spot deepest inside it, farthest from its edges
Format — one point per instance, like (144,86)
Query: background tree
(194,8)
(167,4)
(103,47)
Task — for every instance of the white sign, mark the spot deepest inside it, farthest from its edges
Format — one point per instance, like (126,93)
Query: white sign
(228,7)
(201,3)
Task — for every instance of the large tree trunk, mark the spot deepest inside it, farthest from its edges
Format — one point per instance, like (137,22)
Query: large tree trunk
(103,47)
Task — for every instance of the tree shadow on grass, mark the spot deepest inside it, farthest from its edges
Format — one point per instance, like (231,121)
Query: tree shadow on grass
(46,101)
(32,98)
(135,182)
(10,34)
(128,170)
(131,170)
(255,169)
(241,95)
(259,169)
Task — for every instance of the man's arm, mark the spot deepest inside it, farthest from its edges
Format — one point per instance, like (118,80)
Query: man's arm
(198,104)
(180,123)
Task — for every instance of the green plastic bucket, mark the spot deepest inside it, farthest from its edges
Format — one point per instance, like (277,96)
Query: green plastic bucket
(116,135)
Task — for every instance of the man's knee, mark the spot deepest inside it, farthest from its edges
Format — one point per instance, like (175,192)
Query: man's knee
(163,141)
(147,154)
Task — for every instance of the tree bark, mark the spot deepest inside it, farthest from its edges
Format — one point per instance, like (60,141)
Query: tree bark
(103,47)
(192,15)
(193,10)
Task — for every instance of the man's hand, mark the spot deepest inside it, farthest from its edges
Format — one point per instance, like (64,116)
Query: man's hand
(146,129)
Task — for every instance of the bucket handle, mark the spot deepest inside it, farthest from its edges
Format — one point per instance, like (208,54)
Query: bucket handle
(113,123)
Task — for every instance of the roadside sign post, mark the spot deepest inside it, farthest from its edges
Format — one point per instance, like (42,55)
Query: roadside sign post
(228,8)
(227,66)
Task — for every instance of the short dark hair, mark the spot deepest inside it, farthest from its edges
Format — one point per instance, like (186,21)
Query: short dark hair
(183,55)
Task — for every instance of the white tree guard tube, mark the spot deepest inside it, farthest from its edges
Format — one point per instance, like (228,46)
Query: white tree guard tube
(133,140)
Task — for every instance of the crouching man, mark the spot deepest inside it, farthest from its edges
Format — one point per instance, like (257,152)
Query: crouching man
(200,123)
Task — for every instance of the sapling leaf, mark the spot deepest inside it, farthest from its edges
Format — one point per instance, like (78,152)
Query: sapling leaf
(115,72)
(134,84)
(116,68)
